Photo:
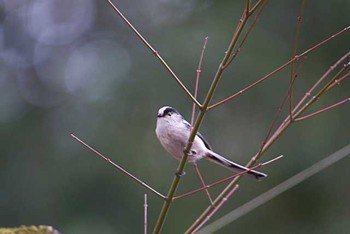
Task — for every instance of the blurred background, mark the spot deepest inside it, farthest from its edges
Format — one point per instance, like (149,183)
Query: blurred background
(75,67)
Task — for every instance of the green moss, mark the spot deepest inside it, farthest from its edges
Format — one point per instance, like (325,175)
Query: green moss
(29,230)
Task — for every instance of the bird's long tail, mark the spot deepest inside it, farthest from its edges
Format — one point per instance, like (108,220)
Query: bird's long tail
(215,158)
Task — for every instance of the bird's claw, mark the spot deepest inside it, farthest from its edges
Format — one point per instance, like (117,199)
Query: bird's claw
(180,174)
(190,153)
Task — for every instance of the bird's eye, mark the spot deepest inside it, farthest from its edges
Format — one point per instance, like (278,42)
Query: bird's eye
(169,113)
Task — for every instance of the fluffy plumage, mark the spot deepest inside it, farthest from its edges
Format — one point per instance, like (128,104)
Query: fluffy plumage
(173,132)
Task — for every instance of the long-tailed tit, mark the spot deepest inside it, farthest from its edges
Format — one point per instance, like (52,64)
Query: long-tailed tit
(173,133)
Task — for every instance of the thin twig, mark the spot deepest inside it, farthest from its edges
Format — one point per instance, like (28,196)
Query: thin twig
(119,167)
(250,29)
(278,69)
(341,79)
(253,84)
(323,110)
(297,112)
(271,140)
(272,160)
(238,30)
(277,190)
(227,178)
(256,6)
(300,66)
(294,52)
(145,206)
(298,109)
(331,69)
(274,120)
(203,182)
(279,110)
(216,208)
(314,98)
(155,52)
(203,110)
(216,182)
(198,74)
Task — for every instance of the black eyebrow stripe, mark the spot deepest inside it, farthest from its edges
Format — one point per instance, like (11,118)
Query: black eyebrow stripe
(167,111)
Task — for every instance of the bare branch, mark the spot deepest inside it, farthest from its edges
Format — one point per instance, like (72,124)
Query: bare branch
(272,160)
(198,74)
(229,194)
(277,190)
(203,182)
(250,29)
(256,6)
(247,6)
(230,54)
(278,69)
(323,110)
(119,167)
(279,111)
(297,112)
(203,110)
(294,53)
(227,178)
(338,81)
(155,52)
(274,121)
(312,89)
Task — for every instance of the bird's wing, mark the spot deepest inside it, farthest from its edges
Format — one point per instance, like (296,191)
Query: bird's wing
(199,135)
(204,140)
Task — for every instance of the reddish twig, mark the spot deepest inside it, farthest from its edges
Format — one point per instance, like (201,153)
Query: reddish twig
(293,76)
(277,190)
(119,167)
(155,52)
(227,178)
(323,110)
(240,46)
(297,57)
(298,109)
(237,31)
(229,194)
(280,108)
(251,85)
(294,52)
(341,79)
(312,89)
(145,206)
(297,112)
(198,74)
(275,118)
(291,85)
(203,183)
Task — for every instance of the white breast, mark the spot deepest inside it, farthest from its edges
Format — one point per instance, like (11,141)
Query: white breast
(174,136)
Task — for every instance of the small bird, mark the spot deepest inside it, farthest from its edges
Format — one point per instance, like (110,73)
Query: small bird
(173,132)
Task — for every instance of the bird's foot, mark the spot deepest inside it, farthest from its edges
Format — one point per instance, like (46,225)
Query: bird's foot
(180,174)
